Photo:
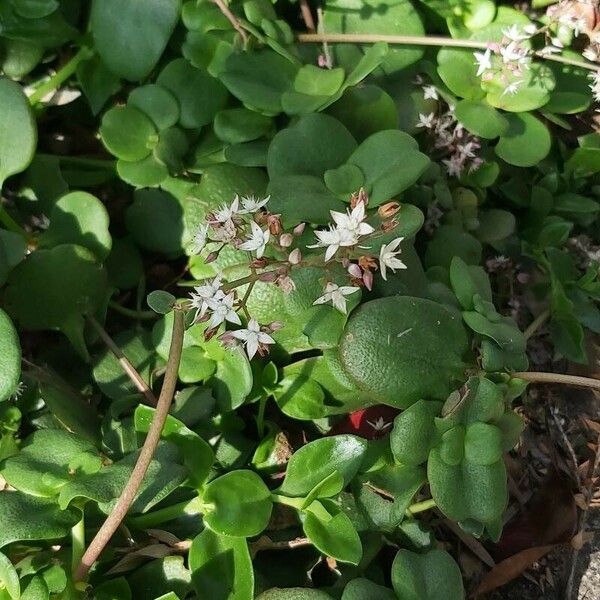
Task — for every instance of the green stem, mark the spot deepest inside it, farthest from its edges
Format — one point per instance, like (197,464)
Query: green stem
(536,323)
(536,377)
(130,491)
(140,315)
(60,76)
(430,40)
(282,50)
(421,506)
(260,417)
(77,542)
(162,515)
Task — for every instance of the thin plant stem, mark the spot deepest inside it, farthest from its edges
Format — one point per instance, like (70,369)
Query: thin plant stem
(232,19)
(125,500)
(66,71)
(162,515)
(307,16)
(140,315)
(536,323)
(429,40)
(77,542)
(538,377)
(421,506)
(260,417)
(125,363)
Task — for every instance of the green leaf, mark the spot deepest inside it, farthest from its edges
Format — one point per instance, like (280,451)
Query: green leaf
(198,456)
(128,133)
(9,579)
(200,96)
(458,71)
(241,504)
(131,36)
(232,381)
(161,302)
(468,280)
(158,577)
(450,241)
(483,444)
(10,358)
(400,349)
(79,218)
(18,132)
(361,589)
(395,17)
(296,593)
(236,125)
(481,119)
(142,173)
(526,142)
(391,162)
(97,82)
(318,459)
(139,349)
(164,476)
(28,518)
(157,103)
(55,289)
(414,432)
(331,531)
(428,576)
(221,567)
(38,472)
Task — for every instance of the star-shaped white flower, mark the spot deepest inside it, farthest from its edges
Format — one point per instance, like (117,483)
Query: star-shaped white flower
(250,204)
(512,88)
(222,308)
(379,424)
(330,239)
(351,224)
(225,213)
(426,121)
(336,295)
(252,337)
(515,34)
(387,257)
(257,241)
(483,60)
(199,239)
(454,165)
(203,293)
(430,92)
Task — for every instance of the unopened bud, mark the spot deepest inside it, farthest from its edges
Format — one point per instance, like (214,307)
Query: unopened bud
(389,225)
(355,271)
(259,263)
(210,333)
(299,229)
(285,240)
(358,197)
(389,209)
(367,263)
(212,256)
(295,256)
(368,279)
(274,223)
(275,326)
(268,277)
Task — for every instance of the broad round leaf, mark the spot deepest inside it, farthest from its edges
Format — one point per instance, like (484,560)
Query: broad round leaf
(401,349)
(161,302)
(241,504)
(10,357)
(128,133)
(526,142)
(18,132)
(236,125)
(157,103)
(79,218)
(130,36)
(481,119)
(221,567)
(9,579)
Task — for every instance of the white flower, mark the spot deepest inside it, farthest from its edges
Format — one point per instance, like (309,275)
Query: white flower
(483,61)
(427,121)
(351,223)
(515,33)
(199,239)
(203,293)
(387,257)
(252,337)
(429,91)
(225,213)
(222,311)
(257,241)
(335,294)
(250,204)
(330,239)
(595,85)
(379,424)
(590,54)
(512,88)
(454,165)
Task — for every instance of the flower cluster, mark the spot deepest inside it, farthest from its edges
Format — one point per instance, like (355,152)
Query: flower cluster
(458,147)
(247,225)
(508,60)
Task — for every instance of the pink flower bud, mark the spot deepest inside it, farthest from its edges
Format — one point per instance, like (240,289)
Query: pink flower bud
(368,279)
(268,277)
(275,326)
(211,257)
(299,229)
(355,271)
(285,240)
(295,256)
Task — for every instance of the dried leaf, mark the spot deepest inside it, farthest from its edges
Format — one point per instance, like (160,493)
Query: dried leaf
(511,568)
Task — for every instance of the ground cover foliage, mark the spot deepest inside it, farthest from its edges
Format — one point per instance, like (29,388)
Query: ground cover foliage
(259,334)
